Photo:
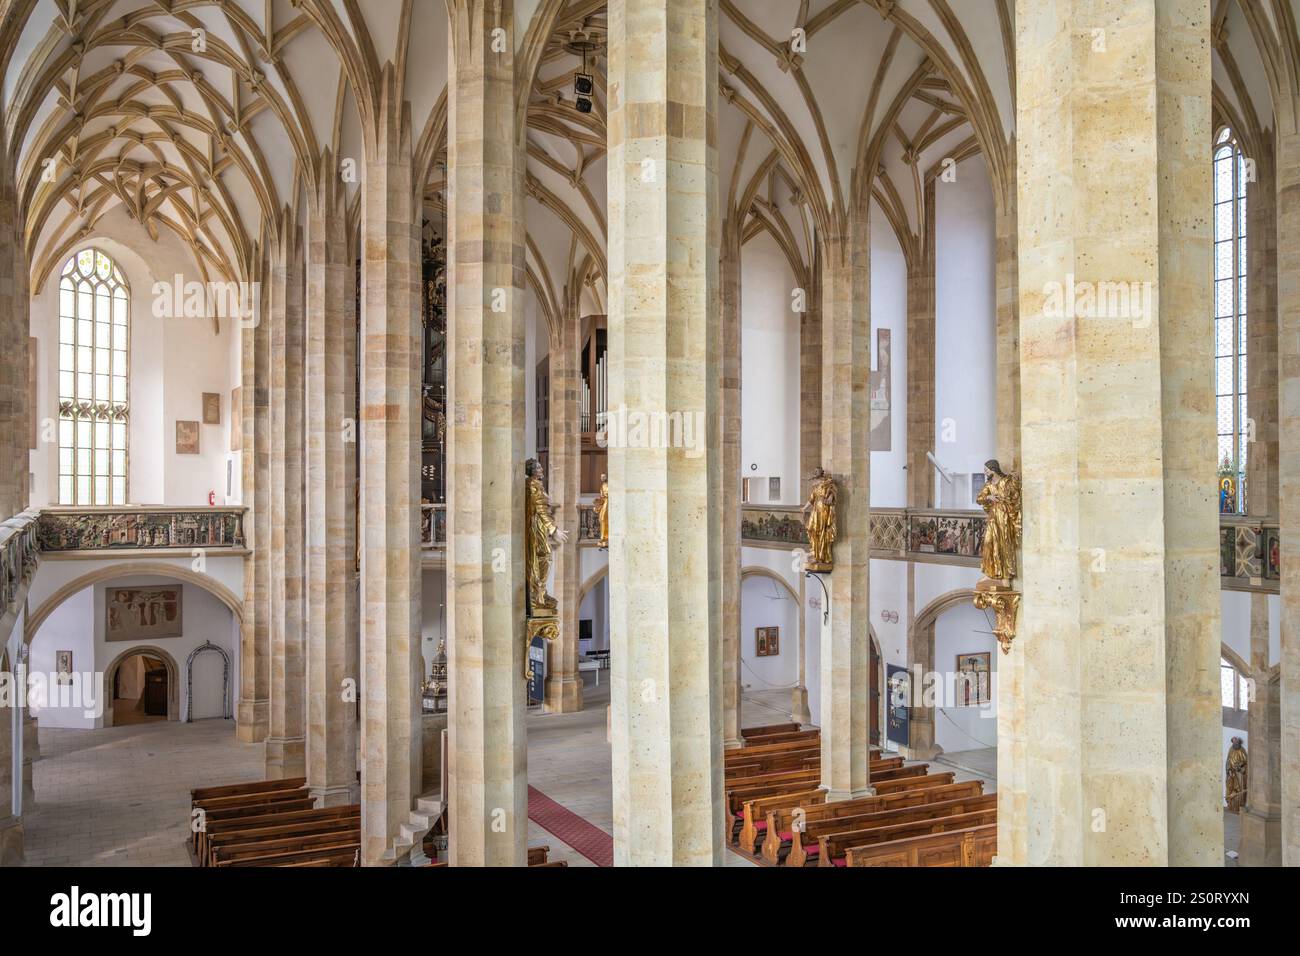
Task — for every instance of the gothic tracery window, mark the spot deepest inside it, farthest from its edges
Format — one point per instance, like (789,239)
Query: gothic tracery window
(1230,320)
(94,337)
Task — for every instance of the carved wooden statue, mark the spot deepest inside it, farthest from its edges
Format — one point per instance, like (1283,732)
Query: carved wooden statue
(819,519)
(541,533)
(1236,769)
(1000,499)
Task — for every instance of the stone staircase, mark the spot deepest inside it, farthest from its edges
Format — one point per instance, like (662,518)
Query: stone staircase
(407,848)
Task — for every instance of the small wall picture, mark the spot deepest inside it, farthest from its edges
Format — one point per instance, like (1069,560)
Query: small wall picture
(977,481)
(212,408)
(773,488)
(768,641)
(187,438)
(236,418)
(973,679)
(63,666)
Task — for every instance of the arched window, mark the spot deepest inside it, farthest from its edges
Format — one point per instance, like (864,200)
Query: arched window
(94,337)
(1235,691)
(1230,320)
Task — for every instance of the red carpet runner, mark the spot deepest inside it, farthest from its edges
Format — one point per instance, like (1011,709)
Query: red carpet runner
(591,841)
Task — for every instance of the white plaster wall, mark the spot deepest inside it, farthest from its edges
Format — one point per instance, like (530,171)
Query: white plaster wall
(961,631)
(595,608)
(78,624)
(889,311)
(965,330)
(769,372)
(765,603)
(172,362)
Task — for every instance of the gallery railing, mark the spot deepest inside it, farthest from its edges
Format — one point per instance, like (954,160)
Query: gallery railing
(63,530)
(433,526)
(18,559)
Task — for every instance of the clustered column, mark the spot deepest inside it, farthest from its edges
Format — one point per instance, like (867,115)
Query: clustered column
(665,529)
(1120,621)
(286,743)
(563,691)
(846,455)
(332,666)
(485,219)
(730,425)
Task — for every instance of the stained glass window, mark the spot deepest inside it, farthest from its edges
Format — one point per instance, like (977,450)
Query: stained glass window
(94,337)
(1229,320)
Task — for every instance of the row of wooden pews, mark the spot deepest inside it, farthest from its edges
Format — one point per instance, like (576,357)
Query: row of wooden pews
(271,823)
(778,810)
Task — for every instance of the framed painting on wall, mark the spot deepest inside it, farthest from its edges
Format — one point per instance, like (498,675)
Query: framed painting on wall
(973,673)
(63,666)
(212,408)
(767,641)
(187,438)
(136,614)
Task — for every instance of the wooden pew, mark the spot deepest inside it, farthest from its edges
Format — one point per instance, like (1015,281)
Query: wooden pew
(754,813)
(218,807)
(806,842)
(242,789)
(270,826)
(886,773)
(973,847)
(813,736)
(769,729)
(833,848)
(779,830)
(212,817)
(343,854)
(326,843)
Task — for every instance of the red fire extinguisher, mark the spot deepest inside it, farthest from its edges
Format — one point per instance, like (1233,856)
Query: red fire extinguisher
(212,497)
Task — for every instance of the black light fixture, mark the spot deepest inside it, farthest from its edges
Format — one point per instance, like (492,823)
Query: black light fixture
(583,85)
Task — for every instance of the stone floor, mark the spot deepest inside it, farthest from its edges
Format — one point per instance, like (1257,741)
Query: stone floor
(119,796)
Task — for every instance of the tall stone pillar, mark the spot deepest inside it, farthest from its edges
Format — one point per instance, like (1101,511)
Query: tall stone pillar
(1120,620)
(1288,359)
(1261,822)
(920,661)
(332,639)
(846,454)
(286,743)
(810,377)
(920,361)
(1008,321)
(664,350)
(14,334)
(253,715)
(730,411)
(563,690)
(390,490)
(485,219)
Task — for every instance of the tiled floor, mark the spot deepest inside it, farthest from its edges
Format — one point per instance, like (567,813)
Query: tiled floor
(120,796)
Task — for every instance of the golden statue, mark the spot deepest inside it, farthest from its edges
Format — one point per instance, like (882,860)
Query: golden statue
(819,519)
(1000,499)
(602,511)
(1236,768)
(540,532)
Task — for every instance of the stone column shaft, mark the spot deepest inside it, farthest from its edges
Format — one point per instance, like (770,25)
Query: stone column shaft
(390,488)
(563,681)
(1120,621)
(253,716)
(332,638)
(1008,322)
(665,525)
(730,437)
(920,362)
(1288,363)
(810,380)
(846,454)
(14,336)
(485,218)
(286,744)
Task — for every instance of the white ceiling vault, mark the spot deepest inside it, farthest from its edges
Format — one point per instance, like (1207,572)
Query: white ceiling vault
(205,120)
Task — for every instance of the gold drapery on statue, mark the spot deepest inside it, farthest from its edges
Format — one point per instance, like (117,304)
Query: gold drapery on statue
(602,511)
(819,519)
(1236,776)
(1000,499)
(541,533)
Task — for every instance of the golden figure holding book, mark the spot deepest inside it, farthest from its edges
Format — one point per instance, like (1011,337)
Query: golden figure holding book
(819,519)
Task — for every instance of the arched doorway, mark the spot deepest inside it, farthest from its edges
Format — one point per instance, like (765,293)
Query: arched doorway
(141,685)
